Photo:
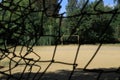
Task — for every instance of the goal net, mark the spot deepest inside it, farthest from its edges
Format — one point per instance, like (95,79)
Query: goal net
(27,25)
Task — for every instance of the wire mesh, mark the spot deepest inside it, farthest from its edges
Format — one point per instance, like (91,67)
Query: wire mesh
(19,15)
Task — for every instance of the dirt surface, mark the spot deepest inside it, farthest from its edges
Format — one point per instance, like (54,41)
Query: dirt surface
(108,57)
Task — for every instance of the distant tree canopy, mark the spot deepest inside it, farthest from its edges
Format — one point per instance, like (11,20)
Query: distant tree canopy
(51,6)
(29,22)
(91,28)
(24,23)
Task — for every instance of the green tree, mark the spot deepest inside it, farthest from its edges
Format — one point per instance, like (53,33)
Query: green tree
(74,22)
(73,8)
(17,22)
(100,24)
(49,23)
(92,28)
(116,21)
(25,24)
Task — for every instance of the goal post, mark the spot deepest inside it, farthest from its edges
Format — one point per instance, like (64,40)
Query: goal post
(70,39)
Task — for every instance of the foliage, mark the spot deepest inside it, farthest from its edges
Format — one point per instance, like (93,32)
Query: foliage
(21,24)
(92,28)
(25,25)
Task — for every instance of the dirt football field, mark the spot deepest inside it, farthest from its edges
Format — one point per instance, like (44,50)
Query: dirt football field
(64,56)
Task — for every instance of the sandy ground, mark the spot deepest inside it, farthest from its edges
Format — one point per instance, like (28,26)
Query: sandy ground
(107,57)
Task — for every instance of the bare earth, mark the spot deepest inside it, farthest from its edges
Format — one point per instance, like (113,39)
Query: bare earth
(107,57)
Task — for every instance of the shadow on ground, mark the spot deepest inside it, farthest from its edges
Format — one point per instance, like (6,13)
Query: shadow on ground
(79,74)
